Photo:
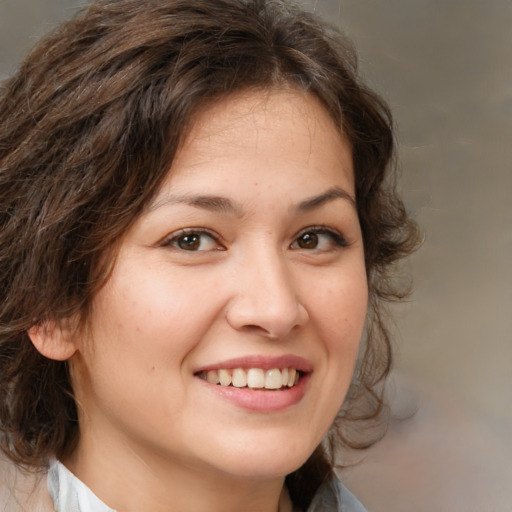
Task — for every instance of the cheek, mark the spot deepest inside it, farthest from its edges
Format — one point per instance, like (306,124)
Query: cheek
(144,324)
(156,305)
(340,309)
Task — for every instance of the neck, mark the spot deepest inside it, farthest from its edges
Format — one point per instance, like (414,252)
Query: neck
(163,486)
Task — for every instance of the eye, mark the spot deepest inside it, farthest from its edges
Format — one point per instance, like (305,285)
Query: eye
(193,241)
(319,239)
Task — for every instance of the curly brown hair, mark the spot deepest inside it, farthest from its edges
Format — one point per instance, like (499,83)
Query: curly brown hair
(89,126)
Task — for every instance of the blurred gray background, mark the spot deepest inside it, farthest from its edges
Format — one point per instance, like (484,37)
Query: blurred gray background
(446,70)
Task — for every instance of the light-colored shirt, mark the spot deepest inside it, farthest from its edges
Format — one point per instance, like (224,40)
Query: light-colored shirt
(69,494)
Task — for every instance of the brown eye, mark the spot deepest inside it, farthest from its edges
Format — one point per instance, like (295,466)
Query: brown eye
(307,241)
(319,239)
(193,241)
(189,242)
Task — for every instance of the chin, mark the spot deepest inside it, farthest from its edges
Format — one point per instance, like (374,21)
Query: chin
(267,461)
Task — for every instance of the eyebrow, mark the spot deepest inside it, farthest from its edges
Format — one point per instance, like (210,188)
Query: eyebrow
(225,205)
(205,202)
(329,195)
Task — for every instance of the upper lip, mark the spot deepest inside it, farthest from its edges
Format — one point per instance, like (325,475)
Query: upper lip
(260,361)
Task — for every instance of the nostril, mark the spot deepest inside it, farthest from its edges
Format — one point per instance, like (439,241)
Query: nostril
(256,329)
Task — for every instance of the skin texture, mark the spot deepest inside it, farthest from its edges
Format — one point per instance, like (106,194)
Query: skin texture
(248,288)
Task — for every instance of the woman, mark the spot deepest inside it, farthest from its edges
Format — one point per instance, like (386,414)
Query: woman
(197,223)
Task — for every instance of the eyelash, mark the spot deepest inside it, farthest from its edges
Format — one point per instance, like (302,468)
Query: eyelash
(174,239)
(335,237)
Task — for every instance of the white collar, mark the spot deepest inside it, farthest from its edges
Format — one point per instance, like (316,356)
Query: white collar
(69,494)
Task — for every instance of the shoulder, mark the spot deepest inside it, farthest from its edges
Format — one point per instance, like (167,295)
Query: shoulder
(333,496)
(22,491)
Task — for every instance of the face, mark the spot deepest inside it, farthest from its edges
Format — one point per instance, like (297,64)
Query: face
(226,337)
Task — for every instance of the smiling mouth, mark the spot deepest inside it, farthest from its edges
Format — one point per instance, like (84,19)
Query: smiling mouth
(253,378)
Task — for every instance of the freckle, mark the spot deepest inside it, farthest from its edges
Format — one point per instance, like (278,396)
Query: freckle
(152,368)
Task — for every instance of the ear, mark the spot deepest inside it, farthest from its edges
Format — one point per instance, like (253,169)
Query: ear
(53,340)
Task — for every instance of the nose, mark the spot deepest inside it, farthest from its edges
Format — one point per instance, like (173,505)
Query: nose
(265,298)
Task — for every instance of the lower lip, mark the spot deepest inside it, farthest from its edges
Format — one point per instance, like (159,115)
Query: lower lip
(262,400)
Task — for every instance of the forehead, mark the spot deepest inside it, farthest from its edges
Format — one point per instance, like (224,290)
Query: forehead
(282,131)
(251,111)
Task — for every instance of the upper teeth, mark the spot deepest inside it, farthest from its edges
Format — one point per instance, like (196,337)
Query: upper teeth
(255,378)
